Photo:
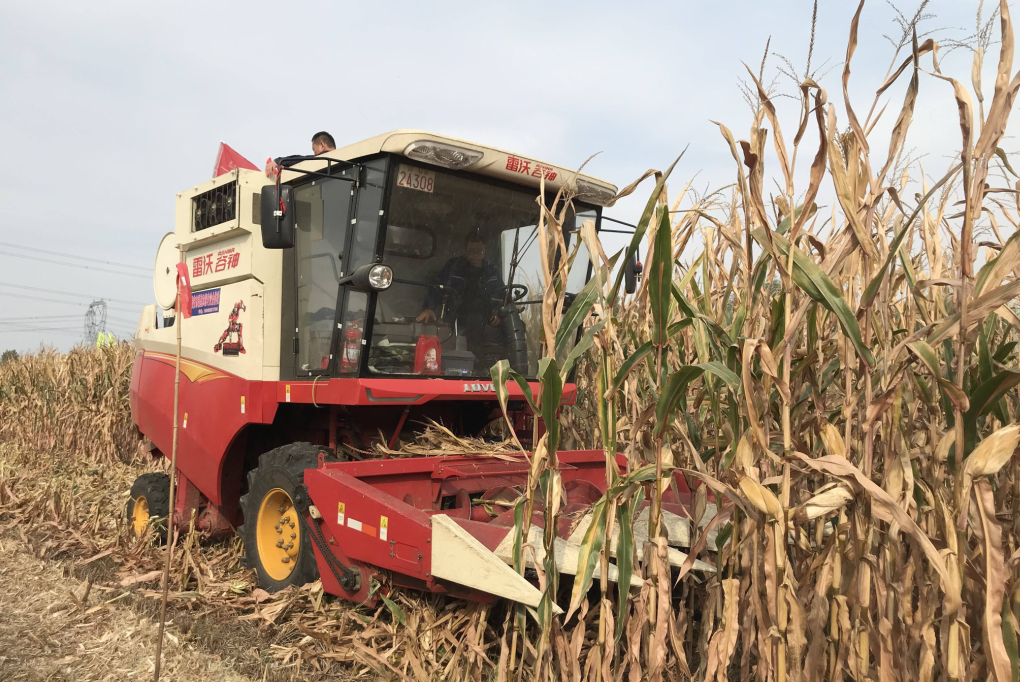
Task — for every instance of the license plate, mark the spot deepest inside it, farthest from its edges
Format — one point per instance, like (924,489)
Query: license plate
(412,177)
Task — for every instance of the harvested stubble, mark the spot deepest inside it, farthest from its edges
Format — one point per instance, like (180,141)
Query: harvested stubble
(66,507)
(435,440)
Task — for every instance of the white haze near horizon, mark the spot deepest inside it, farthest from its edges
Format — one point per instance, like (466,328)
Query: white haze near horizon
(111,108)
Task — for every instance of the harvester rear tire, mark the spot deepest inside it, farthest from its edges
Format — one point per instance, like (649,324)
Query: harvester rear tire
(149,504)
(268,509)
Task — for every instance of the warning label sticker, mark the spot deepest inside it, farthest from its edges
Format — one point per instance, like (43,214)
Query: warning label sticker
(340,509)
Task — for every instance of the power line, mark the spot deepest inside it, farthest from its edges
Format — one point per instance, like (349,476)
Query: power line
(40,317)
(53,300)
(70,255)
(69,293)
(72,265)
(68,330)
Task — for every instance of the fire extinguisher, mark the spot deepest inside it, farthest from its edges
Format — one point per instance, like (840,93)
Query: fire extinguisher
(427,355)
(350,355)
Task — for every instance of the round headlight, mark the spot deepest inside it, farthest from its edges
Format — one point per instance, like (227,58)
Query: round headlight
(380,277)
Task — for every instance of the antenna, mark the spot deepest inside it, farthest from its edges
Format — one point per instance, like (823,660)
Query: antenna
(95,321)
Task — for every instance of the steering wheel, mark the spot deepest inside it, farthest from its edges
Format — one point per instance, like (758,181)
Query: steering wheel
(518,292)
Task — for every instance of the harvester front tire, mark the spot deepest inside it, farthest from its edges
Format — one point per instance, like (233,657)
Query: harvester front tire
(149,504)
(276,544)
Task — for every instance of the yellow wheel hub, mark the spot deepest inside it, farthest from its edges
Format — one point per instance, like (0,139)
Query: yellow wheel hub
(278,534)
(140,516)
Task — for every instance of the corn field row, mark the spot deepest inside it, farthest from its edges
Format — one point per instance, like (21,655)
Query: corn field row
(843,386)
(75,402)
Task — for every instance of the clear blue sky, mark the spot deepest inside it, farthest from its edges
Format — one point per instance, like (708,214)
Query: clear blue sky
(109,109)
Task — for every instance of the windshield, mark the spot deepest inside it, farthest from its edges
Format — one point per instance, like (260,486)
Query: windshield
(451,243)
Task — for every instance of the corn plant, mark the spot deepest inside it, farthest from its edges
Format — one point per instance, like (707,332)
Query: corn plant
(842,387)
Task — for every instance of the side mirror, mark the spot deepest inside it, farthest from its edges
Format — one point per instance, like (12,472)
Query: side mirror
(277,216)
(632,270)
(370,277)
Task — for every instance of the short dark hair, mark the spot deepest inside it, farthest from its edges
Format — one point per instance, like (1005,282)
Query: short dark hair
(322,137)
(474,237)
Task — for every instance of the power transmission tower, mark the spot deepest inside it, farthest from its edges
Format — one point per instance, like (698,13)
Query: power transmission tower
(95,321)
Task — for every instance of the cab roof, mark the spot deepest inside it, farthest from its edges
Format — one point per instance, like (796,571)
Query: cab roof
(450,152)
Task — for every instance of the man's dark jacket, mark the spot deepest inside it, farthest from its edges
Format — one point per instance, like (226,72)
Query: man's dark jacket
(453,277)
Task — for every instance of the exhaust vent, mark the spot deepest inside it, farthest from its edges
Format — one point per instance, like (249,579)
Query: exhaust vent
(217,206)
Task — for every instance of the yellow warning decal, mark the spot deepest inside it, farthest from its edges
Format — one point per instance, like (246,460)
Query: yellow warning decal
(341,508)
(383,527)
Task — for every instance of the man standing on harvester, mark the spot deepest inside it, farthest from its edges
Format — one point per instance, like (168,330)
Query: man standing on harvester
(322,142)
(465,296)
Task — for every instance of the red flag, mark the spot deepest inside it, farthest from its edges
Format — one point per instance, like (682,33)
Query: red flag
(184,287)
(227,160)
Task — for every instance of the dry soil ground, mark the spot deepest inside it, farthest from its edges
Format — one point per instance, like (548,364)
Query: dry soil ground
(78,596)
(55,626)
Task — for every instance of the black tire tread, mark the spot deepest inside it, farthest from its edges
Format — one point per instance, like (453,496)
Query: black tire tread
(155,488)
(292,461)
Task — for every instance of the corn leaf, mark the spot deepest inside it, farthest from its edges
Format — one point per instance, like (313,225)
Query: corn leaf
(582,346)
(625,369)
(625,557)
(984,397)
(579,309)
(639,231)
(817,285)
(676,386)
(660,279)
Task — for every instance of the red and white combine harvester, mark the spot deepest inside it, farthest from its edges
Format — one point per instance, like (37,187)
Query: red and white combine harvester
(375,286)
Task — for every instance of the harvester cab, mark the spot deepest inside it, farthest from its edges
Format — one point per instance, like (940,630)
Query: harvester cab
(335,309)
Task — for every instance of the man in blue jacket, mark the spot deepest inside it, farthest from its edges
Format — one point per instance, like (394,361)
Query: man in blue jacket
(471,296)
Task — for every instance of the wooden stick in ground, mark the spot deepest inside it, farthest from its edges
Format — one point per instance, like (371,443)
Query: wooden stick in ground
(173,479)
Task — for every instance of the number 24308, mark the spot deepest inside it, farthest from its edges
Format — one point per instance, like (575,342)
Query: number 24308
(416,178)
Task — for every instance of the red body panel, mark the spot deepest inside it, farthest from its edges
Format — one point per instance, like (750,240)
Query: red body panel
(396,391)
(376,514)
(372,526)
(380,512)
(211,414)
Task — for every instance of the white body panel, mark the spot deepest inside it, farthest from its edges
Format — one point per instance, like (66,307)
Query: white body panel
(230,256)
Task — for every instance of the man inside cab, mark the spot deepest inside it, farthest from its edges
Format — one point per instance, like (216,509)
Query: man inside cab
(470,294)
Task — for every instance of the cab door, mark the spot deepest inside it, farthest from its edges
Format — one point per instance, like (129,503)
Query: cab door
(324,209)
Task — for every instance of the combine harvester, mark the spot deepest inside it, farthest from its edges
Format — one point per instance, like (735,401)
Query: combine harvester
(308,338)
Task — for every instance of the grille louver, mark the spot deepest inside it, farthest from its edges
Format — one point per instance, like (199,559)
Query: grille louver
(217,206)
